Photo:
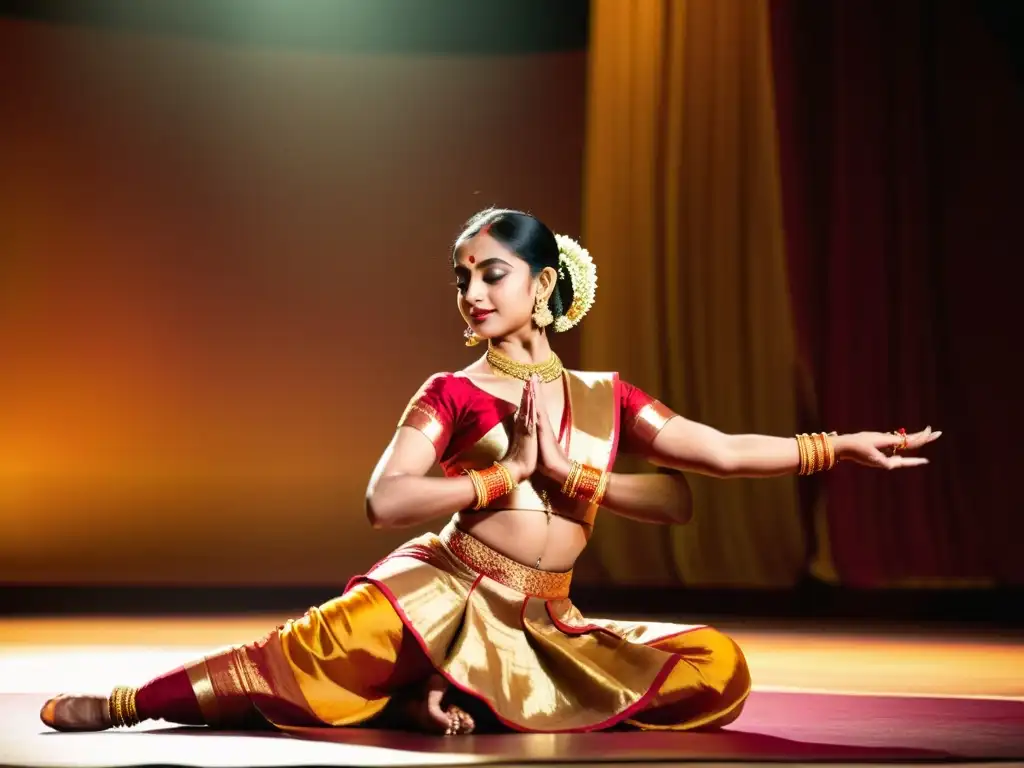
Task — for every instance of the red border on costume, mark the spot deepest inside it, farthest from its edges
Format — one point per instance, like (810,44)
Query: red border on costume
(637,706)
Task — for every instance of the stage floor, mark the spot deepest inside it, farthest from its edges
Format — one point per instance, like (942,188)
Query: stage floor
(821,693)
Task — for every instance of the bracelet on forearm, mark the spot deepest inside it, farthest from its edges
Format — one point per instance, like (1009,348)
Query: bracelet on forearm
(817,453)
(491,483)
(586,483)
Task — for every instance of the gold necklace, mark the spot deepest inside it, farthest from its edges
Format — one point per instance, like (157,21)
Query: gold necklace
(549,370)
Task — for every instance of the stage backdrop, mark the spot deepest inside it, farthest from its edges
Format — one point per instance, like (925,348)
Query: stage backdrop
(682,198)
(808,213)
(900,130)
(225,270)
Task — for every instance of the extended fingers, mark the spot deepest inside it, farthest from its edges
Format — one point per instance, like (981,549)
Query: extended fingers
(532,423)
(540,407)
(524,402)
(895,442)
(524,416)
(538,393)
(915,441)
(922,438)
(902,462)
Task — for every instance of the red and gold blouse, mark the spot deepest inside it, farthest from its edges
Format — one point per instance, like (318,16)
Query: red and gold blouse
(469,419)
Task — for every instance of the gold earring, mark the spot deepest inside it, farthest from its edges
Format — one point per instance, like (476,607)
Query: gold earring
(471,338)
(542,313)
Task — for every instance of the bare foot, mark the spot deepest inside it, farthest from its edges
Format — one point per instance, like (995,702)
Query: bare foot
(76,713)
(428,713)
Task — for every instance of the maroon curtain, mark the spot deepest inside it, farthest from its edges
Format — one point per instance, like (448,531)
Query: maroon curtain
(900,127)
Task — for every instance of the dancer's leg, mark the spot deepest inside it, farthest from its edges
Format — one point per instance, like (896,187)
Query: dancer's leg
(339,664)
(705,690)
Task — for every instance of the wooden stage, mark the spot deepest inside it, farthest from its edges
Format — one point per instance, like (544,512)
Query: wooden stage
(822,693)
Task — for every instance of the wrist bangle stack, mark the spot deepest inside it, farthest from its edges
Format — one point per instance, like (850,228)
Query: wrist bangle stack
(491,483)
(585,483)
(817,453)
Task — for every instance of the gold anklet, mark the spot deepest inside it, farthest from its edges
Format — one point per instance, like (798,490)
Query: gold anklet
(123,713)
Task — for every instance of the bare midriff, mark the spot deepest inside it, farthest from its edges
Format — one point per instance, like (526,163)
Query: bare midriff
(528,536)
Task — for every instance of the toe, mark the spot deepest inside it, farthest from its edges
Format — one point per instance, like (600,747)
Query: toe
(460,721)
(48,713)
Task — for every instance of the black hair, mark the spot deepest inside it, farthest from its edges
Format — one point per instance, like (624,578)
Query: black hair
(530,239)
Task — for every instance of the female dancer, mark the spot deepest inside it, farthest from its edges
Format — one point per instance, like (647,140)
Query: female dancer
(474,627)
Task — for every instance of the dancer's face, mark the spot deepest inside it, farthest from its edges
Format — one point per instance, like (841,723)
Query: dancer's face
(496,292)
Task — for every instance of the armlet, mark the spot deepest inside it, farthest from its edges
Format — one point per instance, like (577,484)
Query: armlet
(649,421)
(423,417)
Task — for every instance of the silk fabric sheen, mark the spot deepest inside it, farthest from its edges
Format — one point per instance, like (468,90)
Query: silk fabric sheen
(502,632)
(530,656)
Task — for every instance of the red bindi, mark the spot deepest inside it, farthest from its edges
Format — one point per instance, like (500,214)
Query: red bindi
(472,259)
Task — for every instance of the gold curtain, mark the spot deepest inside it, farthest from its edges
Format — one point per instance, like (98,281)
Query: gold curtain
(682,211)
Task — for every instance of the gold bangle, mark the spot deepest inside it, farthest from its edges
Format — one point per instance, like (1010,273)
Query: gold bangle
(828,455)
(808,454)
(602,488)
(817,453)
(503,483)
(478,488)
(494,483)
(572,479)
(580,486)
(510,482)
(807,463)
(586,483)
(578,478)
(590,479)
(481,490)
(577,483)
(491,483)
(583,482)
(830,450)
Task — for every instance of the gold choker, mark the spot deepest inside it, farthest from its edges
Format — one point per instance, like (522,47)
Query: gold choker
(549,370)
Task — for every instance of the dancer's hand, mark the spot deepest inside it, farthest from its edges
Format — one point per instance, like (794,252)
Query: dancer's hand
(521,457)
(884,450)
(551,459)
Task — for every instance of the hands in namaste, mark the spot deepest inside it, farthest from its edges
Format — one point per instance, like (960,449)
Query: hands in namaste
(534,446)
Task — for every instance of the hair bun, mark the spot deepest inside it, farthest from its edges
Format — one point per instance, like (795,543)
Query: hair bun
(577,267)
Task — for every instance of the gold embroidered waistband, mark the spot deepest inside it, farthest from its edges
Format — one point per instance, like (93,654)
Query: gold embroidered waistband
(505,570)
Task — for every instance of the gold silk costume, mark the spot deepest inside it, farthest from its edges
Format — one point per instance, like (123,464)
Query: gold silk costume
(503,633)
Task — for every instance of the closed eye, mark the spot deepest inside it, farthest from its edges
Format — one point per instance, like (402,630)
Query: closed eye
(461,278)
(494,277)
(491,277)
